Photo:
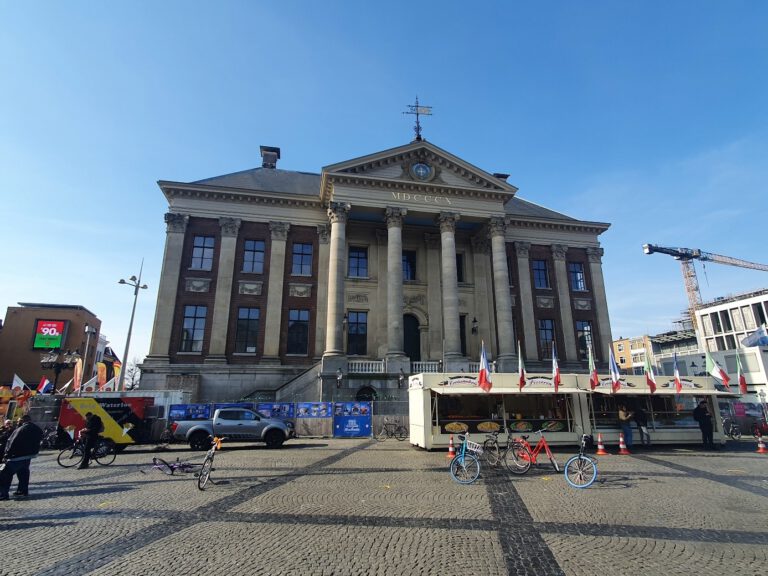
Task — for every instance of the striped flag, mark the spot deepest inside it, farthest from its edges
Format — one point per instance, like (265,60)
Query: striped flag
(44,385)
(740,376)
(615,374)
(678,382)
(594,379)
(555,369)
(716,371)
(484,377)
(650,377)
(520,368)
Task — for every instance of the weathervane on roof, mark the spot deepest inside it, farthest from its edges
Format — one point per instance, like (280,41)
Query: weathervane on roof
(417,110)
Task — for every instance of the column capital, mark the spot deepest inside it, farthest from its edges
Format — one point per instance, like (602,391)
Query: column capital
(496,225)
(595,254)
(229,226)
(522,249)
(447,221)
(559,251)
(279,230)
(176,222)
(394,216)
(338,212)
(323,233)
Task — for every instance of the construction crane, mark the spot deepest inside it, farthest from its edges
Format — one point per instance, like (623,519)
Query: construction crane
(686,257)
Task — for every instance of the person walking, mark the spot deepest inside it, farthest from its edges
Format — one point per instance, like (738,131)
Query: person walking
(22,446)
(641,419)
(625,422)
(93,427)
(704,418)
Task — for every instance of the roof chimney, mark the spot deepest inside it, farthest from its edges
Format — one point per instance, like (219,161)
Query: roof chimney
(269,156)
(501,176)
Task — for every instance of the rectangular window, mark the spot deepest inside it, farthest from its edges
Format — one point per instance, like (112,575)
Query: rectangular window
(302,259)
(409,265)
(193,328)
(358,262)
(247,332)
(725,319)
(357,333)
(202,252)
(253,256)
(546,337)
(584,339)
(540,274)
(460,267)
(576,273)
(620,347)
(298,332)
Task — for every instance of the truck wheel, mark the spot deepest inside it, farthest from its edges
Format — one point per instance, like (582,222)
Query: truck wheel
(200,441)
(274,439)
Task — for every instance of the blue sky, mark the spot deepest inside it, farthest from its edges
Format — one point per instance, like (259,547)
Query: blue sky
(651,116)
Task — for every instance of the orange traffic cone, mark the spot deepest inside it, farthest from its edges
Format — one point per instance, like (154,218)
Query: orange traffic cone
(600,448)
(761,445)
(451,449)
(623,447)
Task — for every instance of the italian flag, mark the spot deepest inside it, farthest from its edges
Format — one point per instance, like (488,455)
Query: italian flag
(555,369)
(650,377)
(740,376)
(594,380)
(520,367)
(714,369)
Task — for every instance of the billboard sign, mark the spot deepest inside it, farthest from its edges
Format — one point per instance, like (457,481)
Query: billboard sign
(49,334)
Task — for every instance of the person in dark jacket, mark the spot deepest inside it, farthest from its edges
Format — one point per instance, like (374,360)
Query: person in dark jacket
(22,446)
(93,427)
(704,418)
(5,433)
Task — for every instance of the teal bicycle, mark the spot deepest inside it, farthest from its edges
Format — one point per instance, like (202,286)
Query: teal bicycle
(465,466)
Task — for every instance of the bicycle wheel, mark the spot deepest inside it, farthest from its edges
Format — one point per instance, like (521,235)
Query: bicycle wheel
(162,465)
(205,472)
(401,433)
(580,471)
(70,457)
(517,459)
(465,469)
(735,432)
(382,435)
(491,452)
(104,453)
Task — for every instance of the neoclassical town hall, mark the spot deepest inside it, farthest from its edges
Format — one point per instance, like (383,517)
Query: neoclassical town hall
(306,286)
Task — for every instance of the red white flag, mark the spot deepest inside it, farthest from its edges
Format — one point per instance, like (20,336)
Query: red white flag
(520,367)
(594,379)
(555,369)
(484,377)
(678,382)
(740,376)
(615,374)
(44,382)
(716,371)
(650,377)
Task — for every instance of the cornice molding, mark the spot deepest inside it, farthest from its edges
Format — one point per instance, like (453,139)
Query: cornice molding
(238,195)
(575,226)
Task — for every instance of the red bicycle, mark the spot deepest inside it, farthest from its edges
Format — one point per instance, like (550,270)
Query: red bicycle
(529,455)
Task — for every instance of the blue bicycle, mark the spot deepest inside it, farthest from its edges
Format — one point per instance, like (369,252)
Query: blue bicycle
(581,470)
(465,467)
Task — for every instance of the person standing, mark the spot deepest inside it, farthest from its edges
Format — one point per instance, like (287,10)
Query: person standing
(625,422)
(641,419)
(93,427)
(5,433)
(22,446)
(704,418)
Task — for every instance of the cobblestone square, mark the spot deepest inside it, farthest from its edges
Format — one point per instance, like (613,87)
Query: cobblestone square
(353,507)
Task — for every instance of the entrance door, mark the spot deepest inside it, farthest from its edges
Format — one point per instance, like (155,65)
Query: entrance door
(411,337)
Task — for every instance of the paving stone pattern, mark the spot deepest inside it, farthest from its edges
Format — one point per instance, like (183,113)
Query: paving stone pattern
(356,507)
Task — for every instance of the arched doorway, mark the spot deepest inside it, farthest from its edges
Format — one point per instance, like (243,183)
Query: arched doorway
(411,337)
(366,394)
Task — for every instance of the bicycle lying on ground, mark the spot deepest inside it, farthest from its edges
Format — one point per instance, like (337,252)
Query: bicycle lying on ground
(529,455)
(581,470)
(465,467)
(104,453)
(170,468)
(392,430)
(731,429)
(207,466)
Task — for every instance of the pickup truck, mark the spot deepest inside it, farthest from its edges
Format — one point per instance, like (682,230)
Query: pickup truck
(235,424)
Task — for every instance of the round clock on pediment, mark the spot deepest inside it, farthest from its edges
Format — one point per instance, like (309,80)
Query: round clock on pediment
(422,171)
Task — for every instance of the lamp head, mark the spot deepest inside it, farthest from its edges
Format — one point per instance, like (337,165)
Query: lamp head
(121,281)
(132,278)
(143,286)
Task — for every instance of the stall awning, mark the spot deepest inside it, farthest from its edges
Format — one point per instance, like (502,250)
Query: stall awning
(665,392)
(497,390)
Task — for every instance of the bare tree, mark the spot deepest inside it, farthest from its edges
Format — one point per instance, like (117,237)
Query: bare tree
(132,374)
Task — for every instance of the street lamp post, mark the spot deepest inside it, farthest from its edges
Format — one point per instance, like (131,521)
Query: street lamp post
(136,285)
(88,331)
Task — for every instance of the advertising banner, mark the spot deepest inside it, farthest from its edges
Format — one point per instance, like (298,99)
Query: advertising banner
(189,412)
(123,418)
(351,419)
(275,409)
(49,334)
(313,410)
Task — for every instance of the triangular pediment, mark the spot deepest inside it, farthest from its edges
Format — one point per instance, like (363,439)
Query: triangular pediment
(418,163)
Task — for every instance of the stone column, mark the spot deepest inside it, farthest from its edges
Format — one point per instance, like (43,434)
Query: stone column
(434,298)
(176,226)
(600,301)
(526,301)
(507,347)
(485,307)
(323,233)
(334,338)
(223,296)
(570,354)
(451,336)
(279,231)
(394,218)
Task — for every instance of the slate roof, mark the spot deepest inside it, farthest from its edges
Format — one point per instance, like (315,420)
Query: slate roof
(519,207)
(268,180)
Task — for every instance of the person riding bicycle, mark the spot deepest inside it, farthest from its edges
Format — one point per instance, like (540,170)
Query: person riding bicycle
(93,427)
